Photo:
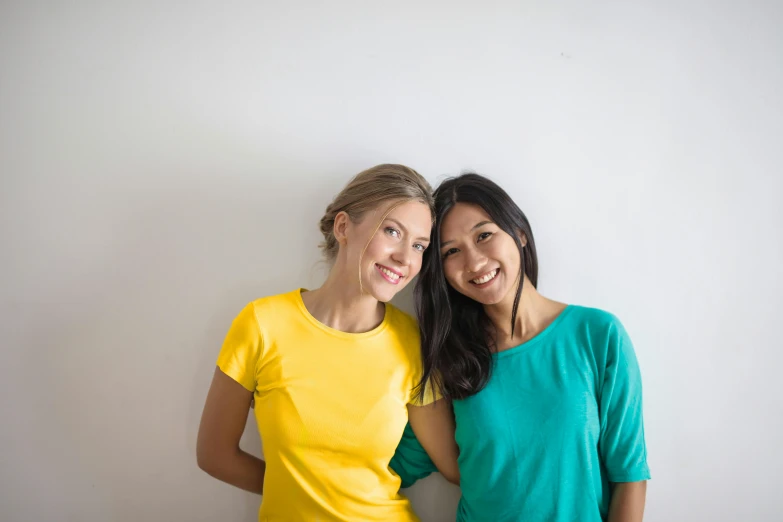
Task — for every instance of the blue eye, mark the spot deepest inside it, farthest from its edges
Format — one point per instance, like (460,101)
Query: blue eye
(419,247)
(393,232)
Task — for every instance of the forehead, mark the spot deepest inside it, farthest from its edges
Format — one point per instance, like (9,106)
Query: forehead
(415,216)
(461,219)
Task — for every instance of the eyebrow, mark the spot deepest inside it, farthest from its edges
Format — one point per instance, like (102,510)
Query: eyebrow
(421,238)
(477,225)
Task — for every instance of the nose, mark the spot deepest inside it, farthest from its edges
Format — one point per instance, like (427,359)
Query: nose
(402,256)
(475,261)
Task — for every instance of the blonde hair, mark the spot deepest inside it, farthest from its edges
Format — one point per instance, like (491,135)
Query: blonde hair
(367,190)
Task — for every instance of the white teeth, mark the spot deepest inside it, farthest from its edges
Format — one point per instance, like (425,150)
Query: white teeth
(489,277)
(389,273)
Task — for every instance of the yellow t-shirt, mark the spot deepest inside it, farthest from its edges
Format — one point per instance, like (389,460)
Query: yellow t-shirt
(330,407)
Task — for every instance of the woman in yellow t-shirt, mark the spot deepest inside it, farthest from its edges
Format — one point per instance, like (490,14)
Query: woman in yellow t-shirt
(331,370)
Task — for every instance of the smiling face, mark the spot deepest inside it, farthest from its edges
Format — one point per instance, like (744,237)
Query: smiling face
(480,260)
(387,245)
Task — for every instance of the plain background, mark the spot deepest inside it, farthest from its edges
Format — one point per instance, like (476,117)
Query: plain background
(164,163)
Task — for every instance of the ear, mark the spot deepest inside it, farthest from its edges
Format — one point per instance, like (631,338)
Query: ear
(340,230)
(522,237)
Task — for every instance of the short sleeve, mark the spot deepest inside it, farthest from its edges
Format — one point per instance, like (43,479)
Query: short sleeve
(622,445)
(242,349)
(431,394)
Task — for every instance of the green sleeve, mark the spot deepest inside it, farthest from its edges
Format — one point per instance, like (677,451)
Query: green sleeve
(410,461)
(622,443)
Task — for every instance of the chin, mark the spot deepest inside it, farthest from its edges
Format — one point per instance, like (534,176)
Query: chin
(384,296)
(492,302)
(486,300)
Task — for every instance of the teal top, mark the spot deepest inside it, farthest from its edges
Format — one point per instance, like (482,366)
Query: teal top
(559,420)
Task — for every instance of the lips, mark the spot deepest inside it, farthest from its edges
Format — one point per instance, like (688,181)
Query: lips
(486,277)
(391,275)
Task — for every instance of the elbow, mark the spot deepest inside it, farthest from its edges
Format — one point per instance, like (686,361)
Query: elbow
(452,476)
(208,459)
(205,462)
(216,459)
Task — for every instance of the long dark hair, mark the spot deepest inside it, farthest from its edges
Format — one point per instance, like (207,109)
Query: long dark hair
(456,351)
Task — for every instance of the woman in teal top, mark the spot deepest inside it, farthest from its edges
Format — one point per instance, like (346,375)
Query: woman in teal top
(547,397)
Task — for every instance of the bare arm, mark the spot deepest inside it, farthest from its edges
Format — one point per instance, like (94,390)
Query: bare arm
(628,501)
(222,424)
(434,426)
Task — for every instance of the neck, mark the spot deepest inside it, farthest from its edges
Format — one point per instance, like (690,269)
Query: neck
(340,304)
(534,313)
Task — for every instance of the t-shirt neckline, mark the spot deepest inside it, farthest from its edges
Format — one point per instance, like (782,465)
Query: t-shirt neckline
(339,333)
(543,334)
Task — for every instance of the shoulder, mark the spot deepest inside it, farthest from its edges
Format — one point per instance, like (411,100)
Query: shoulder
(402,323)
(271,309)
(595,320)
(604,333)
(403,331)
(600,329)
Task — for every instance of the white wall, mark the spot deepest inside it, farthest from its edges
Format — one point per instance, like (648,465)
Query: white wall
(163,165)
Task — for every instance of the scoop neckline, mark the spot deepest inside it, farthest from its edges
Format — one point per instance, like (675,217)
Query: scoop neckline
(543,334)
(339,333)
